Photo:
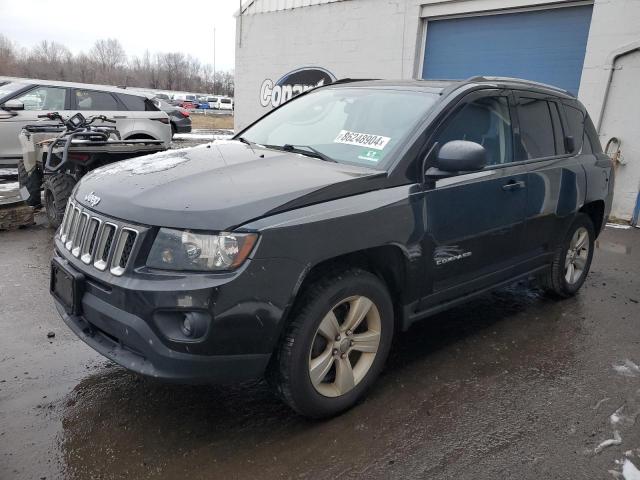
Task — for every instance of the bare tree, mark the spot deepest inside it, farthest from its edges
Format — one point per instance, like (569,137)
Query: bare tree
(109,56)
(8,55)
(107,62)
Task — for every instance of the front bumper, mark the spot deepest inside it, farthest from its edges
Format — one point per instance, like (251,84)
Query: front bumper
(129,341)
(121,318)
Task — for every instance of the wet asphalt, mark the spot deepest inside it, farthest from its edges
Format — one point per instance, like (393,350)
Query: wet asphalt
(513,385)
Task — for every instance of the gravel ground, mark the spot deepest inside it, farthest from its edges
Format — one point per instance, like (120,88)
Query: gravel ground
(512,386)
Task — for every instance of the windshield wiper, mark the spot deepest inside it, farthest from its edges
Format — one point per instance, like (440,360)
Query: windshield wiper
(244,140)
(308,151)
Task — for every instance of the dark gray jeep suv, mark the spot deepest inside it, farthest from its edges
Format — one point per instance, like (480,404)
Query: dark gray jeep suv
(295,250)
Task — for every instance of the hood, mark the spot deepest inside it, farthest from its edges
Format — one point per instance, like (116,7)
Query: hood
(217,186)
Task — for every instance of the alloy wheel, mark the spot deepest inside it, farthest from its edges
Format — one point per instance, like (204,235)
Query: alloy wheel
(344,346)
(577,255)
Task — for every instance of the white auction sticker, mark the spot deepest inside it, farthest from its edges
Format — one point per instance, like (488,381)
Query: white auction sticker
(362,139)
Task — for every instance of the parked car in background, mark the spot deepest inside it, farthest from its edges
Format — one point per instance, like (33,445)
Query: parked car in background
(179,118)
(21,101)
(225,103)
(213,102)
(202,103)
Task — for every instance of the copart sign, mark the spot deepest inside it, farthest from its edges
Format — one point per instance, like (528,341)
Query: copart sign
(292,84)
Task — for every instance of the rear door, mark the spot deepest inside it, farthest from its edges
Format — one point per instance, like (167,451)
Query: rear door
(556,178)
(37,101)
(475,221)
(94,102)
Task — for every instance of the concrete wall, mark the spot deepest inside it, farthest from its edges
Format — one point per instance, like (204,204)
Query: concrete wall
(615,28)
(351,38)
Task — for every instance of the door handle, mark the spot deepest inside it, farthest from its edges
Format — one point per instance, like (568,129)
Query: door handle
(513,185)
(119,116)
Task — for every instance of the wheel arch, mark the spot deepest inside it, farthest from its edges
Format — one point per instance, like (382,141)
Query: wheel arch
(595,211)
(388,262)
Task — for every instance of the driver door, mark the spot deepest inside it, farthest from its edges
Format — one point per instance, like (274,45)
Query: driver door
(37,101)
(475,220)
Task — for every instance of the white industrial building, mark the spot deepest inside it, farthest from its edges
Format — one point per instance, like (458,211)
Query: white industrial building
(591,48)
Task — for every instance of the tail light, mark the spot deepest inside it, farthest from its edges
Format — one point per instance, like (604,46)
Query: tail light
(78,157)
(164,120)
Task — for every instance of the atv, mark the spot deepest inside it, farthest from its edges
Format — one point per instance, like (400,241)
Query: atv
(57,155)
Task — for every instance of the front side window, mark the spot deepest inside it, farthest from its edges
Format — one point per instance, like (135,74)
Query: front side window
(536,130)
(485,121)
(353,125)
(93,100)
(44,98)
(7,88)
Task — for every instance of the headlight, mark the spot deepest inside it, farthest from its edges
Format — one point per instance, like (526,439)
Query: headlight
(202,251)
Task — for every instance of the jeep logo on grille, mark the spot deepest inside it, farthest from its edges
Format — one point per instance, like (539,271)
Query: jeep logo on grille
(92,199)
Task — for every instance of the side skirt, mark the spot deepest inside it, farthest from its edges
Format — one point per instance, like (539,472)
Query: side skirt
(411,316)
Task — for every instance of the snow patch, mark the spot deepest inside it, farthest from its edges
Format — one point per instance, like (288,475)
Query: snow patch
(201,136)
(627,369)
(616,440)
(619,226)
(629,470)
(9,187)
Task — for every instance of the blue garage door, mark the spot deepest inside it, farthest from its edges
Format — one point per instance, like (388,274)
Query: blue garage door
(543,45)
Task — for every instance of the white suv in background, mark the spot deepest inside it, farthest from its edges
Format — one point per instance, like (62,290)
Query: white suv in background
(225,103)
(22,100)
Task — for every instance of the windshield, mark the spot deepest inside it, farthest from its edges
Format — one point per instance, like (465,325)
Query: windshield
(350,125)
(8,88)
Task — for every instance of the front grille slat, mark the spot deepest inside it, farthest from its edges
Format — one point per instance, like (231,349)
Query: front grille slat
(97,241)
(104,246)
(123,250)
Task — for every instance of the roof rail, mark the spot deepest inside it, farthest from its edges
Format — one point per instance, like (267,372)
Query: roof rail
(483,78)
(351,80)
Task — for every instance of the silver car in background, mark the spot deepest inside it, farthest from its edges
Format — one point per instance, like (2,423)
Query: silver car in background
(22,100)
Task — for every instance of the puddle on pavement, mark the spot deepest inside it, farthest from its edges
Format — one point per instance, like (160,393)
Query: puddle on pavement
(458,364)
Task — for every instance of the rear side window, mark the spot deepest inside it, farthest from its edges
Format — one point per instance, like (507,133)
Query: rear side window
(575,124)
(93,100)
(132,102)
(485,121)
(225,100)
(536,129)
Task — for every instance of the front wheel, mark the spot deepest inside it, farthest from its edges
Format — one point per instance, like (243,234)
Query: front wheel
(336,344)
(572,259)
(57,190)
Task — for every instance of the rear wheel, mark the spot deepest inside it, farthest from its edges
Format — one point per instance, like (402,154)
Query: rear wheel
(336,345)
(57,190)
(572,259)
(173,129)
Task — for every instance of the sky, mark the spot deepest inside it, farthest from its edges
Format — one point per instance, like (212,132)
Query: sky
(160,26)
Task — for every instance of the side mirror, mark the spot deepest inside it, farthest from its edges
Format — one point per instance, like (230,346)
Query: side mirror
(461,156)
(13,105)
(569,144)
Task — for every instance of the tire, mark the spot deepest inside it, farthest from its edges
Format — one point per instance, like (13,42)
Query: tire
(173,129)
(33,183)
(304,344)
(558,281)
(57,190)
